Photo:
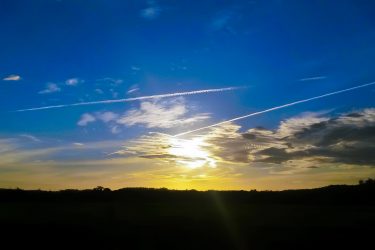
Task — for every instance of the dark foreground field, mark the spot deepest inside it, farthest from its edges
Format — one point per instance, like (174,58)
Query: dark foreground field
(336,217)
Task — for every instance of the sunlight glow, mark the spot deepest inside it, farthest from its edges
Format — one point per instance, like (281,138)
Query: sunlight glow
(192,153)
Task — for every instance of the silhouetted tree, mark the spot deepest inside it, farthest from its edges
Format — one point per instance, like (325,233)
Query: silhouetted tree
(99,188)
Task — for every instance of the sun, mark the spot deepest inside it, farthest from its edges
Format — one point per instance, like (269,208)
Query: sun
(191,153)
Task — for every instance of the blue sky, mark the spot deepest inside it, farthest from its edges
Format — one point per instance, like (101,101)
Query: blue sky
(63,52)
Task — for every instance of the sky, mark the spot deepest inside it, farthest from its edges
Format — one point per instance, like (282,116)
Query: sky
(143,93)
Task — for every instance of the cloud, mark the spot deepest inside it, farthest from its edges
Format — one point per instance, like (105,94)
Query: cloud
(50,88)
(276,108)
(327,150)
(73,81)
(31,137)
(346,139)
(115,129)
(293,125)
(178,152)
(161,114)
(303,143)
(109,118)
(106,116)
(151,12)
(134,88)
(221,21)
(135,68)
(224,21)
(109,80)
(86,119)
(114,93)
(315,78)
(139,98)
(14,151)
(12,78)
(99,91)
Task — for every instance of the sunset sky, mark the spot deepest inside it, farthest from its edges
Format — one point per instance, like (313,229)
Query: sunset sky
(207,62)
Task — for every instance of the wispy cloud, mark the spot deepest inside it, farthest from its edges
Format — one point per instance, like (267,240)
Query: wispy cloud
(109,118)
(50,88)
(31,137)
(276,108)
(86,119)
(162,114)
(221,21)
(152,11)
(106,116)
(195,92)
(151,114)
(224,21)
(298,144)
(134,88)
(345,139)
(99,91)
(135,68)
(315,78)
(322,149)
(73,81)
(115,129)
(12,78)
(110,80)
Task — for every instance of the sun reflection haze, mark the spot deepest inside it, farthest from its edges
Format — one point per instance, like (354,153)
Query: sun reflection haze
(192,153)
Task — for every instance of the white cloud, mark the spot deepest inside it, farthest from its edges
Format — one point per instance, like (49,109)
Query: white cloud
(135,68)
(296,124)
(151,12)
(86,119)
(299,144)
(109,118)
(12,78)
(115,130)
(106,116)
(50,88)
(132,89)
(73,81)
(161,114)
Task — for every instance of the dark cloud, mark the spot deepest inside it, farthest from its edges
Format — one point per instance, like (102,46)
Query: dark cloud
(349,138)
(307,141)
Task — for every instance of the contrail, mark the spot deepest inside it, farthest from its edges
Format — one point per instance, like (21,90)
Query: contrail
(275,108)
(195,92)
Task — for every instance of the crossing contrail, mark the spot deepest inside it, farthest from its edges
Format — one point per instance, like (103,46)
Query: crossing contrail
(274,108)
(195,92)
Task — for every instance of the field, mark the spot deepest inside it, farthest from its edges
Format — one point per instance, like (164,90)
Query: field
(139,218)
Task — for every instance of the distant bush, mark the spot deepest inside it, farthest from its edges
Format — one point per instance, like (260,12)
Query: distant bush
(101,189)
(369,181)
